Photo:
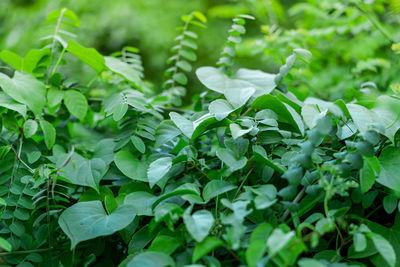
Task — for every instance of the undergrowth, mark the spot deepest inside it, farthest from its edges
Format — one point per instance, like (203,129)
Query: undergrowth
(107,172)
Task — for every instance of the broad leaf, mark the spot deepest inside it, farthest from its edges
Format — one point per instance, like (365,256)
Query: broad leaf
(90,56)
(206,246)
(158,169)
(9,103)
(390,168)
(149,258)
(199,223)
(131,166)
(215,188)
(76,103)
(123,69)
(228,158)
(88,220)
(49,133)
(26,89)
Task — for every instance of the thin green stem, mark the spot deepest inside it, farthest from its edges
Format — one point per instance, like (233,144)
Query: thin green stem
(242,183)
(197,168)
(58,62)
(25,251)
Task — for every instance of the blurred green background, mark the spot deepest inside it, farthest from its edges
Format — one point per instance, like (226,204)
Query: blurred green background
(352,41)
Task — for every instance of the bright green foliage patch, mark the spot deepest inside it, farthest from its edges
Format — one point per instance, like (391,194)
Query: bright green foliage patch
(110,173)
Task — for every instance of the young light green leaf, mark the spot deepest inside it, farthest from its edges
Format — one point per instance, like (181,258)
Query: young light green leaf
(49,133)
(54,96)
(123,69)
(76,103)
(90,56)
(12,58)
(26,89)
(30,127)
(8,102)
(4,244)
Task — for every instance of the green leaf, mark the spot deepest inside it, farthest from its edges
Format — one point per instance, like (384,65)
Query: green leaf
(130,166)
(158,169)
(237,86)
(90,56)
(390,203)
(390,168)
(220,108)
(258,244)
(388,110)
(26,89)
(166,132)
(186,191)
(49,133)
(360,242)
(261,155)
(150,258)
(226,157)
(367,175)
(180,78)
(9,103)
(33,58)
(188,54)
(279,240)
(206,123)
(363,118)
(142,202)
(206,246)
(165,243)
(88,220)
(30,127)
(185,125)
(81,171)
(54,97)
(215,188)
(384,247)
(12,58)
(119,111)
(286,113)
(199,223)
(76,103)
(237,131)
(4,244)
(184,65)
(123,69)
(263,82)
(304,262)
(138,143)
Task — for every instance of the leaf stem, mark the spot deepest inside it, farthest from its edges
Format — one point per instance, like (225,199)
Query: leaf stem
(58,62)
(242,183)
(197,168)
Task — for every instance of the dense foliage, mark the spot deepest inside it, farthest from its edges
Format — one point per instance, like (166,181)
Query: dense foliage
(107,171)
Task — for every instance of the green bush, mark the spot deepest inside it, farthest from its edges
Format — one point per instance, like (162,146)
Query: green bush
(108,172)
